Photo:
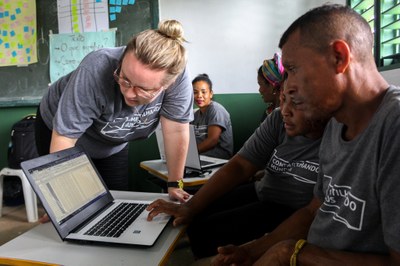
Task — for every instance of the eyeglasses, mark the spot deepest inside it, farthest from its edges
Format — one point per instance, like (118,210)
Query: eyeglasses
(146,94)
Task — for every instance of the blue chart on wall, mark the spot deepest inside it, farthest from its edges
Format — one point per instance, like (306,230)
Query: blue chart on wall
(24,86)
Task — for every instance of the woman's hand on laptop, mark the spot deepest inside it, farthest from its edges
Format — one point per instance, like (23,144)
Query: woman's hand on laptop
(182,213)
(178,194)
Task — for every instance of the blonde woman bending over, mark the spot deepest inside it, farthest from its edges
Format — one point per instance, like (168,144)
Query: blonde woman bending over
(117,95)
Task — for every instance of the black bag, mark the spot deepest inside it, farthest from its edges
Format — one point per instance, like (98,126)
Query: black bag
(22,145)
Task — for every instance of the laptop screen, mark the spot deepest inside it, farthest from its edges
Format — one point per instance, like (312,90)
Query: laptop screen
(68,185)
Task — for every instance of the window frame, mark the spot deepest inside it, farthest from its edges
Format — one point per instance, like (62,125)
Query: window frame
(378,38)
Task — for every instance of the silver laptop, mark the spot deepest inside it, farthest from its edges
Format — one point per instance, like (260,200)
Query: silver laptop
(81,207)
(160,143)
(197,162)
(194,161)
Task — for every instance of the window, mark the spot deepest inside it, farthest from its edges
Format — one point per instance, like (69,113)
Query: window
(384,18)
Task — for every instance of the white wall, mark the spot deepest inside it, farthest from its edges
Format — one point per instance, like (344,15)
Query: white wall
(229,39)
(392,76)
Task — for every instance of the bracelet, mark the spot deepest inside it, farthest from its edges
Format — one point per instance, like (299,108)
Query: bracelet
(299,245)
(177,184)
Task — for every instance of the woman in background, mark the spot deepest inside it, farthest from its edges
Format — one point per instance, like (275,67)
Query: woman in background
(270,79)
(212,122)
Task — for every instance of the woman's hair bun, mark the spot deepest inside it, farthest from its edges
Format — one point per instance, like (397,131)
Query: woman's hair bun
(172,29)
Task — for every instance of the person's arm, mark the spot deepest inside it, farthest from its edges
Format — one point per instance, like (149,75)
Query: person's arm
(59,142)
(213,134)
(277,247)
(295,227)
(312,255)
(238,170)
(176,143)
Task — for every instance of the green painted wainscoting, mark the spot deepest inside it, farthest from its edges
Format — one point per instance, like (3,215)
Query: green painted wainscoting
(245,109)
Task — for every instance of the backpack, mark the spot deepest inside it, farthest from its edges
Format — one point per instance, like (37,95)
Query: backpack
(22,145)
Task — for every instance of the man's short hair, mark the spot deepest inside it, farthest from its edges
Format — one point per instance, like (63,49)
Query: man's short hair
(322,25)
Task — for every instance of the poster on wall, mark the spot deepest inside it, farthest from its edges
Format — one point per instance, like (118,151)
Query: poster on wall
(82,15)
(17,32)
(68,49)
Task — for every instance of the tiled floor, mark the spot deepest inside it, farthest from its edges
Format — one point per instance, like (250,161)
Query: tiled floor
(14,223)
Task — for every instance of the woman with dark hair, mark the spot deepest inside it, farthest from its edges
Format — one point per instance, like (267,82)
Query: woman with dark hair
(229,209)
(212,121)
(270,76)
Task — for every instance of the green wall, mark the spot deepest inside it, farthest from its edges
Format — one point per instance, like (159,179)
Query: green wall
(245,109)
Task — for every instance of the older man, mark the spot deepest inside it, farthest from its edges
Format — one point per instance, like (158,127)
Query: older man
(354,217)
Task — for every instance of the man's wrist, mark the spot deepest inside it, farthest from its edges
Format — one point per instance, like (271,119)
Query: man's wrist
(176,184)
(298,247)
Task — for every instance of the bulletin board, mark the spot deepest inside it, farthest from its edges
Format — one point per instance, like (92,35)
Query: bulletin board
(25,85)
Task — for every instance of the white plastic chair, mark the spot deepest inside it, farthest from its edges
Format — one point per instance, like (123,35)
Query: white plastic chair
(29,194)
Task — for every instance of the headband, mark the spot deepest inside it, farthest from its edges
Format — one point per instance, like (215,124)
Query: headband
(273,70)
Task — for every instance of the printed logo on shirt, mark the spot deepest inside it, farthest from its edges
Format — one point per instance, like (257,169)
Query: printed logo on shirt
(201,131)
(299,170)
(121,128)
(343,205)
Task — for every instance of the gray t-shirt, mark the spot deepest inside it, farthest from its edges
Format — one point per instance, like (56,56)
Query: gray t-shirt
(216,115)
(87,104)
(291,163)
(359,184)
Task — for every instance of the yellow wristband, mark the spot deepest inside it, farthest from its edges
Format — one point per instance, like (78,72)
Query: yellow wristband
(299,245)
(178,184)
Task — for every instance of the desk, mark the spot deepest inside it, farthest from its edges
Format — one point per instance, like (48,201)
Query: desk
(42,243)
(158,168)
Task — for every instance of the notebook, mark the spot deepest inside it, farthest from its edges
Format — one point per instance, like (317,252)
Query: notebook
(194,161)
(81,207)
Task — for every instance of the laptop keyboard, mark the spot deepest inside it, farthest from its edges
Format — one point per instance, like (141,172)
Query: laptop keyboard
(116,222)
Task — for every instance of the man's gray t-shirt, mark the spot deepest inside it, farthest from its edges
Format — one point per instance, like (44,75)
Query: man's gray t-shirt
(291,163)
(215,115)
(359,184)
(87,105)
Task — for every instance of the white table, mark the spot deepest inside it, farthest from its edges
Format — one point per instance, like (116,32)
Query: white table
(42,243)
(158,168)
